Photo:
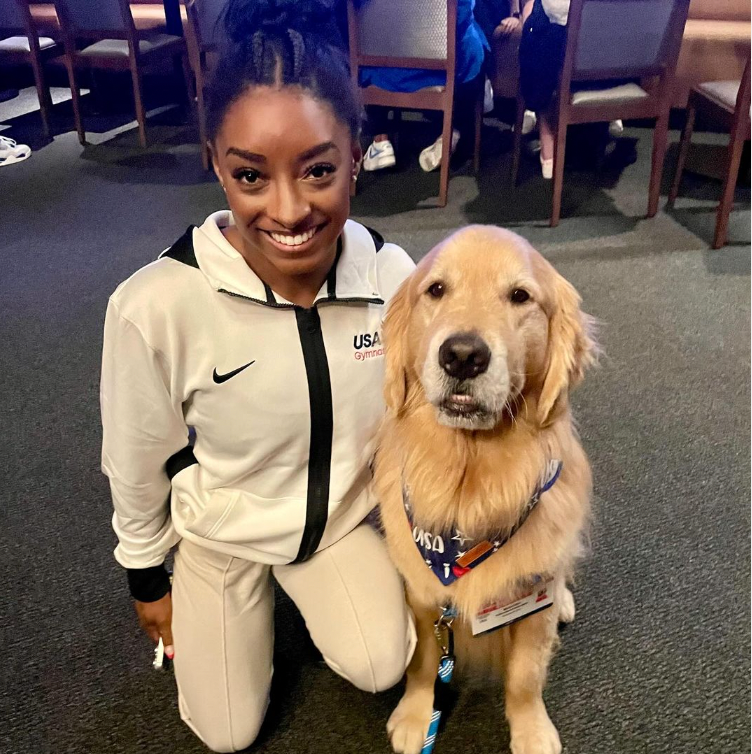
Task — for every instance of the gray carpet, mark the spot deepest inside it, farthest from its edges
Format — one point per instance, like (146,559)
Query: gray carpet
(658,657)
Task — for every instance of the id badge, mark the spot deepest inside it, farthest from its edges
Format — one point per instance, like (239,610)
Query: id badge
(497,614)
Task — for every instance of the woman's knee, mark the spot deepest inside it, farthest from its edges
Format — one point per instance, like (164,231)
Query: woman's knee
(225,739)
(381,664)
(226,732)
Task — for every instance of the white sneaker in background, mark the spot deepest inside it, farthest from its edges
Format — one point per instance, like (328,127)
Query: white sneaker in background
(430,157)
(11,151)
(379,155)
(615,129)
(529,122)
(488,98)
(547,168)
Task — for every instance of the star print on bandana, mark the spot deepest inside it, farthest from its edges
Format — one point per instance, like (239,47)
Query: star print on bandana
(446,554)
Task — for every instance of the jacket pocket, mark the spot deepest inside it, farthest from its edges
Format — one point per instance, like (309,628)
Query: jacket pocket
(202,511)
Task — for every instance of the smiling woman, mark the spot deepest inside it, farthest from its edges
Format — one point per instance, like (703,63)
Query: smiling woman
(250,330)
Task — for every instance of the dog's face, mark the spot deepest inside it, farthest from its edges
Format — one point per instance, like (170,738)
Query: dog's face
(483,322)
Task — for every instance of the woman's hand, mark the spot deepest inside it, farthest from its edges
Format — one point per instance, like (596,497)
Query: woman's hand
(156,619)
(507,26)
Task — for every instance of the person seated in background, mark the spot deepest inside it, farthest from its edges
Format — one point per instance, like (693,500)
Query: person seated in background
(541,58)
(472,47)
(498,18)
(501,19)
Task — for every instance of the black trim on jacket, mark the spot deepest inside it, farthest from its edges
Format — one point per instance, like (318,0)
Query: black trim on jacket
(378,239)
(322,428)
(148,584)
(331,278)
(179,461)
(182,249)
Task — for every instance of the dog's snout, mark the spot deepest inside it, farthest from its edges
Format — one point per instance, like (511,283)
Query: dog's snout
(464,356)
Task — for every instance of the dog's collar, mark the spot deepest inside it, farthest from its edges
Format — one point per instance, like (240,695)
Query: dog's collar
(450,555)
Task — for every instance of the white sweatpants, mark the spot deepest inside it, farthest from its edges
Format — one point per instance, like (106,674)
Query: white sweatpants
(349,594)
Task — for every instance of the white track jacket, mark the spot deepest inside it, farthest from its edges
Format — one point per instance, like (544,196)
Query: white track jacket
(283,401)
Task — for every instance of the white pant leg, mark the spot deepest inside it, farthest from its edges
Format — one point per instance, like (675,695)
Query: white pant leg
(353,602)
(223,632)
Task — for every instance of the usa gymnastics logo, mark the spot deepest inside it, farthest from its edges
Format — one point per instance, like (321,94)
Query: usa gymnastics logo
(367,346)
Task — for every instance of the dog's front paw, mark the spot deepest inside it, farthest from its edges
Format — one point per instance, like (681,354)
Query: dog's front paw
(408,724)
(536,736)
(566,609)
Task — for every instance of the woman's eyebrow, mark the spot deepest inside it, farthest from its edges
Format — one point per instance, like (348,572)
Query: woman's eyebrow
(245,154)
(309,154)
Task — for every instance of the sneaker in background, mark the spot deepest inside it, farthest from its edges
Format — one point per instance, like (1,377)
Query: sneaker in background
(615,129)
(11,152)
(430,157)
(547,168)
(529,122)
(488,98)
(379,155)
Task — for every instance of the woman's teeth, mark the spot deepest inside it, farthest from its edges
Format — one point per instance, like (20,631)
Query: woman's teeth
(289,240)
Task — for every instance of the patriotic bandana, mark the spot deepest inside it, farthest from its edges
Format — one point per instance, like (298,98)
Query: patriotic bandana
(451,555)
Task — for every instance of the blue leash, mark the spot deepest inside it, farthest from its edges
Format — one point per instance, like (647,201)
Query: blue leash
(445,637)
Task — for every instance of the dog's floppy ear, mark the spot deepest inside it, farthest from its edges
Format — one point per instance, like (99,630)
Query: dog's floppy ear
(395,344)
(571,348)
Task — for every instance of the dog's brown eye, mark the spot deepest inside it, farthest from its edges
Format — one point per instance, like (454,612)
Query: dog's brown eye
(519,296)
(436,290)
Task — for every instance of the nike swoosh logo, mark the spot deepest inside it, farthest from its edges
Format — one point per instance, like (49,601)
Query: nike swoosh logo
(220,378)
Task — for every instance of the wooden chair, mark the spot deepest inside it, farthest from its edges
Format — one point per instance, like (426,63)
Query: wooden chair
(613,41)
(725,103)
(102,34)
(203,33)
(20,43)
(419,34)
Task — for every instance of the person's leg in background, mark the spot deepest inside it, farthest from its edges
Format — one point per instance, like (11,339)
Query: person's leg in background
(547,138)
(353,603)
(463,124)
(223,631)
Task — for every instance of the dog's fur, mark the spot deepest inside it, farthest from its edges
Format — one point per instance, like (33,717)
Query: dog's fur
(477,470)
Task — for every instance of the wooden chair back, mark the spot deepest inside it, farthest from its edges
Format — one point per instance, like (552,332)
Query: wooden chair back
(15,18)
(622,39)
(418,34)
(93,20)
(205,23)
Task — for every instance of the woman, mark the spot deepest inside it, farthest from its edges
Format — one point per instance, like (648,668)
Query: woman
(259,331)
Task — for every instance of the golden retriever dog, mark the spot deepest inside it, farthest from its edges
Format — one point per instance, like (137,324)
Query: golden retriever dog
(483,344)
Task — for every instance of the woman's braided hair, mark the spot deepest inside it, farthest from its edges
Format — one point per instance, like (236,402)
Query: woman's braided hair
(282,43)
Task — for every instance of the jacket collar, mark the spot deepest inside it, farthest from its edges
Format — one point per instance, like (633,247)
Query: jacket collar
(352,278)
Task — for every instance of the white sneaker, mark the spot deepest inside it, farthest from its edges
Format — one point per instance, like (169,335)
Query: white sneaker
(488,98)
(11,152)
(547,168)
(379,155)
(430,157)
(529,122)
(615,129)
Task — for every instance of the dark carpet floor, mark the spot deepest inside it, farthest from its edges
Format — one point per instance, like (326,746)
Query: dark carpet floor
(658,657)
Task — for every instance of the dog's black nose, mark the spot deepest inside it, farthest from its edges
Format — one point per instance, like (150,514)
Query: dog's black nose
(464,356)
